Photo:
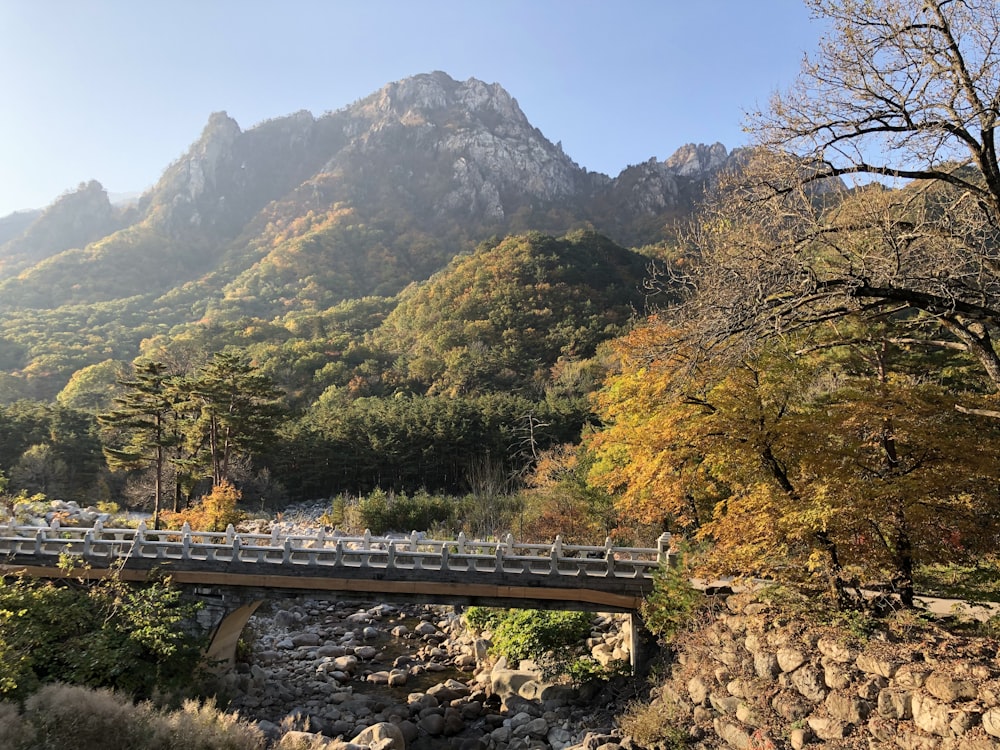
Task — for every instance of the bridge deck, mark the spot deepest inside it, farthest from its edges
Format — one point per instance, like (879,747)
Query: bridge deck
(462,571)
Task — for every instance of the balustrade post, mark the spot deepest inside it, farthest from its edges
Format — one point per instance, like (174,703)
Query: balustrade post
(609,560)
(230,534)
(445,564)
(98,529)
(413,541)
(500,553)
(39,538)
(236,547)
(286,552)
(275,537)
(140,532)
(186,541)
(366,539)
(320,542)
(555,554)
(88,541)
(461,542)
(390,559)
(338,556)
(664,556)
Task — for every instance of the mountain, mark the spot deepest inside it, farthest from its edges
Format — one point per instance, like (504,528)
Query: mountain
(300,214)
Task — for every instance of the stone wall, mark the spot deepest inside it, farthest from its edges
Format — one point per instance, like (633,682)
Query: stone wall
(756,678)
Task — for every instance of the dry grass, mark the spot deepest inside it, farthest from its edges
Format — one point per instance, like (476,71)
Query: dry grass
(654,723)
(63,717)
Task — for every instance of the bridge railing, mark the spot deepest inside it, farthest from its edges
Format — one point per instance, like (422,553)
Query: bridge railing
(413,553)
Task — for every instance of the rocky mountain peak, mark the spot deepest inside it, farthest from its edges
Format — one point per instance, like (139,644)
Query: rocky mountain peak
(429,96)
(697,161)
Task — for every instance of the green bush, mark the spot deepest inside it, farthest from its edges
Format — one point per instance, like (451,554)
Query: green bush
(531,633)
(106,634)
(673,601)
(381,512)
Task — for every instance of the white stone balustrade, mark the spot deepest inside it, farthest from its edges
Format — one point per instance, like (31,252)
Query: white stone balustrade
(412,553)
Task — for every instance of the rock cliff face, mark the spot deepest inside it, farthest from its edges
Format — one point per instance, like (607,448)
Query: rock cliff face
(74,220)
(445,163)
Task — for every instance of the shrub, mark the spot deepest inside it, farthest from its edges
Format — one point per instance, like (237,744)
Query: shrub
(673,601)
(381,512)
(214,512)
(652,724)
(105,634)
(531,633)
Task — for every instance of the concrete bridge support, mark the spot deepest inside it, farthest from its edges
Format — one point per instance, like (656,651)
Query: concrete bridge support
(221,652)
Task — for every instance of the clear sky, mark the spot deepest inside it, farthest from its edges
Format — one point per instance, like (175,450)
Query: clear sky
(115,90)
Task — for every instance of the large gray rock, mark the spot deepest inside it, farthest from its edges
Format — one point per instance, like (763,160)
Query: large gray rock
(382,731)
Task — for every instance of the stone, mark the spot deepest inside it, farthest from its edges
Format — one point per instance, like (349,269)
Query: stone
(877,665)
(809,682)
(991,722)
(366,653)
(798,738)
(911,676)
(453,722)
(870,688)
(930,715)
(907,740)
(848,708)
(305,639)
(698,690)
(398,678)
(382,731)
(828,728)
(833,649)
(791,706)
(895,704)
(835,675)
(724,704)
(948,689)
(559,738)
(425,628)
(732,734)
(989,693)
(765,665)
(746,714)
(433,724)
(790,659)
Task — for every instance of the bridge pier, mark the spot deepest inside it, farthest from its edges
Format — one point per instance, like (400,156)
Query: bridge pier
(642,645)
(221,651)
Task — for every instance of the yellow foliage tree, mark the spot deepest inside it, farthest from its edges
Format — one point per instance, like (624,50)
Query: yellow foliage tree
(791,465)
(213,512)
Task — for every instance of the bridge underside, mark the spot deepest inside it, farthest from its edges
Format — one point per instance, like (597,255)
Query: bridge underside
(238,593)
(489,589)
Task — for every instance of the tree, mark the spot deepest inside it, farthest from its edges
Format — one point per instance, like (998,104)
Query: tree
(844,461)
(238,409)
(901,91)
(141,419)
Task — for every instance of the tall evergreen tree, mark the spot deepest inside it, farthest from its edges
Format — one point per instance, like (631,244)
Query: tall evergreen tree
(142,416)
(238,409)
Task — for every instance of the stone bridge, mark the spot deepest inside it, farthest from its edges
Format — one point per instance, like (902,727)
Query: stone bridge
(233,573)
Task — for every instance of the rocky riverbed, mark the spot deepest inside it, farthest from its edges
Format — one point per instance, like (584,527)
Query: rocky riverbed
(361,674)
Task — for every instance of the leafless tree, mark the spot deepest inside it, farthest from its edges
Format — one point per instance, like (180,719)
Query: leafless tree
(873,187)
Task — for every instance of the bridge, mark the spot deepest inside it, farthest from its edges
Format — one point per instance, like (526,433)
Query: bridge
(235,572)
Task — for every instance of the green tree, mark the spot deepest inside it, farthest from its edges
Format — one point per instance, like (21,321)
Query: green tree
(238,409)
(141,424)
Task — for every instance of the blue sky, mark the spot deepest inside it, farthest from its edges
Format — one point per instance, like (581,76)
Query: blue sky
(115,90)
